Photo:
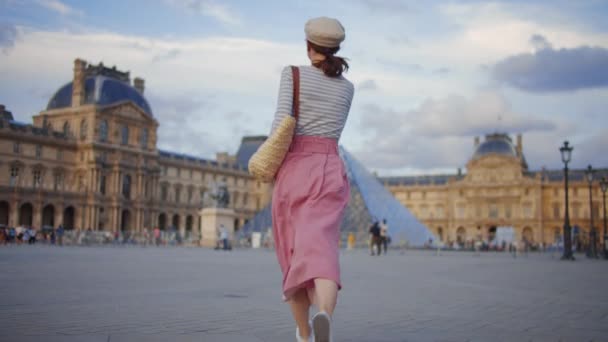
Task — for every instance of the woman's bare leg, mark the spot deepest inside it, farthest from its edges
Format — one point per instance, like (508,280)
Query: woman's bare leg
(300,306)
(325,295)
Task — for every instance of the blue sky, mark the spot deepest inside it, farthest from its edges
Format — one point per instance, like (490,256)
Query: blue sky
(429,76)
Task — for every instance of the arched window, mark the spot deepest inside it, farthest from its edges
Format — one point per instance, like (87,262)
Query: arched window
(126,186)
(125,135)
(144,137)
(83,129)
(103,130)
(66,128)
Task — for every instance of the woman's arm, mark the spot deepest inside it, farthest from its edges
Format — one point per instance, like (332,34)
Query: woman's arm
(285,100)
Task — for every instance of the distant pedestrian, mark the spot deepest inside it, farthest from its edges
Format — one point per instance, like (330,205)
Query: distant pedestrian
(224,237)
(157,236)
(60,232)
(375,243)
(384,237)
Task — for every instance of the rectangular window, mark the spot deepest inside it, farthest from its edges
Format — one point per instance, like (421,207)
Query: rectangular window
(440,212)
(508,211)
(37,178)
(163,192)
(460,211)
(14,176)
(59,154)
(58,182)
(245,199)
(102,185)
(38,151)
(596,212)
(16,147)
(576,210)
(202,197)
(190,191)
(178,193)
(556,210)
(493,211)
(527,210)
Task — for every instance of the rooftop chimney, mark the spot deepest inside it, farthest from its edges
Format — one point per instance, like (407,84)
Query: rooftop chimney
(476,142)
(138,83)
(519,145)
(78,83)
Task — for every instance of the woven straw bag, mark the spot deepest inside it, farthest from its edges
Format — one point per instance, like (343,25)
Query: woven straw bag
(265,163)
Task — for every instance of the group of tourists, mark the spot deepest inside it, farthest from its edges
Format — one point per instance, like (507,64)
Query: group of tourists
(29,235)
(379,237)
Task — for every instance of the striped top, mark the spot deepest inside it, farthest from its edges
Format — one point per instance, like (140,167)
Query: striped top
(324,102)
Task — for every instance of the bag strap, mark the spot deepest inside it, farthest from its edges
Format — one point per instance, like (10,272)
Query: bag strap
(296,91)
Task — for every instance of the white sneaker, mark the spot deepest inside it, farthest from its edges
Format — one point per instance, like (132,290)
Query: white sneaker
(301,339)
(321,327)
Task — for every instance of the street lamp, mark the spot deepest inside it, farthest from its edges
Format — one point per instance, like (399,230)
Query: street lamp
(604,187)
(592,252)
(566,152)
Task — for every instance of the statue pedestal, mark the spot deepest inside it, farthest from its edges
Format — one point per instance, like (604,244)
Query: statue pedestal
(211,219)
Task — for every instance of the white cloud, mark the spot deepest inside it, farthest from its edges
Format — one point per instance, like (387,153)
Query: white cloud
(211,9)
(439,133)
(59,7)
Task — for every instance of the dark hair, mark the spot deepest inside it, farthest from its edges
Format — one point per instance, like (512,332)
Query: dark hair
(332,66)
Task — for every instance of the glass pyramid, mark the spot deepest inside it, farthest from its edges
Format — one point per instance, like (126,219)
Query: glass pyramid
(369,201)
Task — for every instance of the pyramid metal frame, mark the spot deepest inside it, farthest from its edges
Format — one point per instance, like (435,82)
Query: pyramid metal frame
(369,201)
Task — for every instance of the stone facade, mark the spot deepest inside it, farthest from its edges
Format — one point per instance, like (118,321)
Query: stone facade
(498,190)
(94,163)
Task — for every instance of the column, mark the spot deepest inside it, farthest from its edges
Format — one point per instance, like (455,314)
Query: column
(94,224)
(140,181)
(13,216)
(58,215)
(182,225)
(81,217)
(137,219)
(95,182)
(37,215)
(92,217)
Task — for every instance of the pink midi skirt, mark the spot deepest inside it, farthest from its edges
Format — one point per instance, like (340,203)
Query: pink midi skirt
(310,194)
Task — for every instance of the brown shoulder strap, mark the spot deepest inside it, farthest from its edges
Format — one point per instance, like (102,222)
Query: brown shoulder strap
(296,91)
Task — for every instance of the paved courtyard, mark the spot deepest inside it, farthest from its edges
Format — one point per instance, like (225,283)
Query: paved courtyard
(189,294)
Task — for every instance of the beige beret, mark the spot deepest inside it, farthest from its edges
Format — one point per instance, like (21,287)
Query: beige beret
(324,31)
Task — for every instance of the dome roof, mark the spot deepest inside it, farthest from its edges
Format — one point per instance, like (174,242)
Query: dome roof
(496,144)
(100,90)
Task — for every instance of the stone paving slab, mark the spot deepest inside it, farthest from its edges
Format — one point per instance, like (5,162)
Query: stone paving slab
(190,294)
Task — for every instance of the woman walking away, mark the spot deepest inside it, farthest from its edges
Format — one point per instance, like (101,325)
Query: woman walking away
(311,188)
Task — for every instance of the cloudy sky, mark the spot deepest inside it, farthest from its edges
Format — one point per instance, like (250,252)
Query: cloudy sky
(429,76)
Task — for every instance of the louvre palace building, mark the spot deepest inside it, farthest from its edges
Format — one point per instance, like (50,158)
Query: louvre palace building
(498,190)
(90,161)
